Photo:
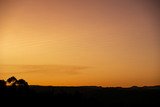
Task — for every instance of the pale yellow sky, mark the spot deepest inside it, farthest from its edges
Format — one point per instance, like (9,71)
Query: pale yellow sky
(117,42)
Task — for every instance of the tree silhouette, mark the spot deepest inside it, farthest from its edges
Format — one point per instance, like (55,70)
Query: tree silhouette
(12,81)
(22,83)
(2,83)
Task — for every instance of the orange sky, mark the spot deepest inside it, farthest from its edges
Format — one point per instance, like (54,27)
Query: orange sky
(80,42)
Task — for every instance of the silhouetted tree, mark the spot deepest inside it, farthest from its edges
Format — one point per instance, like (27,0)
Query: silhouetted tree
(2,83)
(12,81)
(22,83)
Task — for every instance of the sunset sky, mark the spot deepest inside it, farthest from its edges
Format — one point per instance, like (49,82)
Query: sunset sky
(80,42)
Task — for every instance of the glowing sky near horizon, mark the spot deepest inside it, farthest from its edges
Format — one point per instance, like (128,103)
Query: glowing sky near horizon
(87,42)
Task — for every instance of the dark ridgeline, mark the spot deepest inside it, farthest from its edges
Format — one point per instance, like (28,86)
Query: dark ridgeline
(18,91)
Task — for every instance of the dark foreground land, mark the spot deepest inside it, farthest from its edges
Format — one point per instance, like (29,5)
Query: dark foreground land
(81,96)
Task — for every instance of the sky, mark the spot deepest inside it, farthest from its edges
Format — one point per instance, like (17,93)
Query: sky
(80,42)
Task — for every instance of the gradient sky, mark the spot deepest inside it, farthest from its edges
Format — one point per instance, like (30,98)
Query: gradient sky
(80,42)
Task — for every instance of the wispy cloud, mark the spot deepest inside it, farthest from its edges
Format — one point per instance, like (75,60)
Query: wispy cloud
(56,69)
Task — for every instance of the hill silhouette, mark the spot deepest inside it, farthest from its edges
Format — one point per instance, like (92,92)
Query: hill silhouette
(14,90)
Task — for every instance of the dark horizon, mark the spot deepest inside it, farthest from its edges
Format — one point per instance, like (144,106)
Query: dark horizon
(20,91)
